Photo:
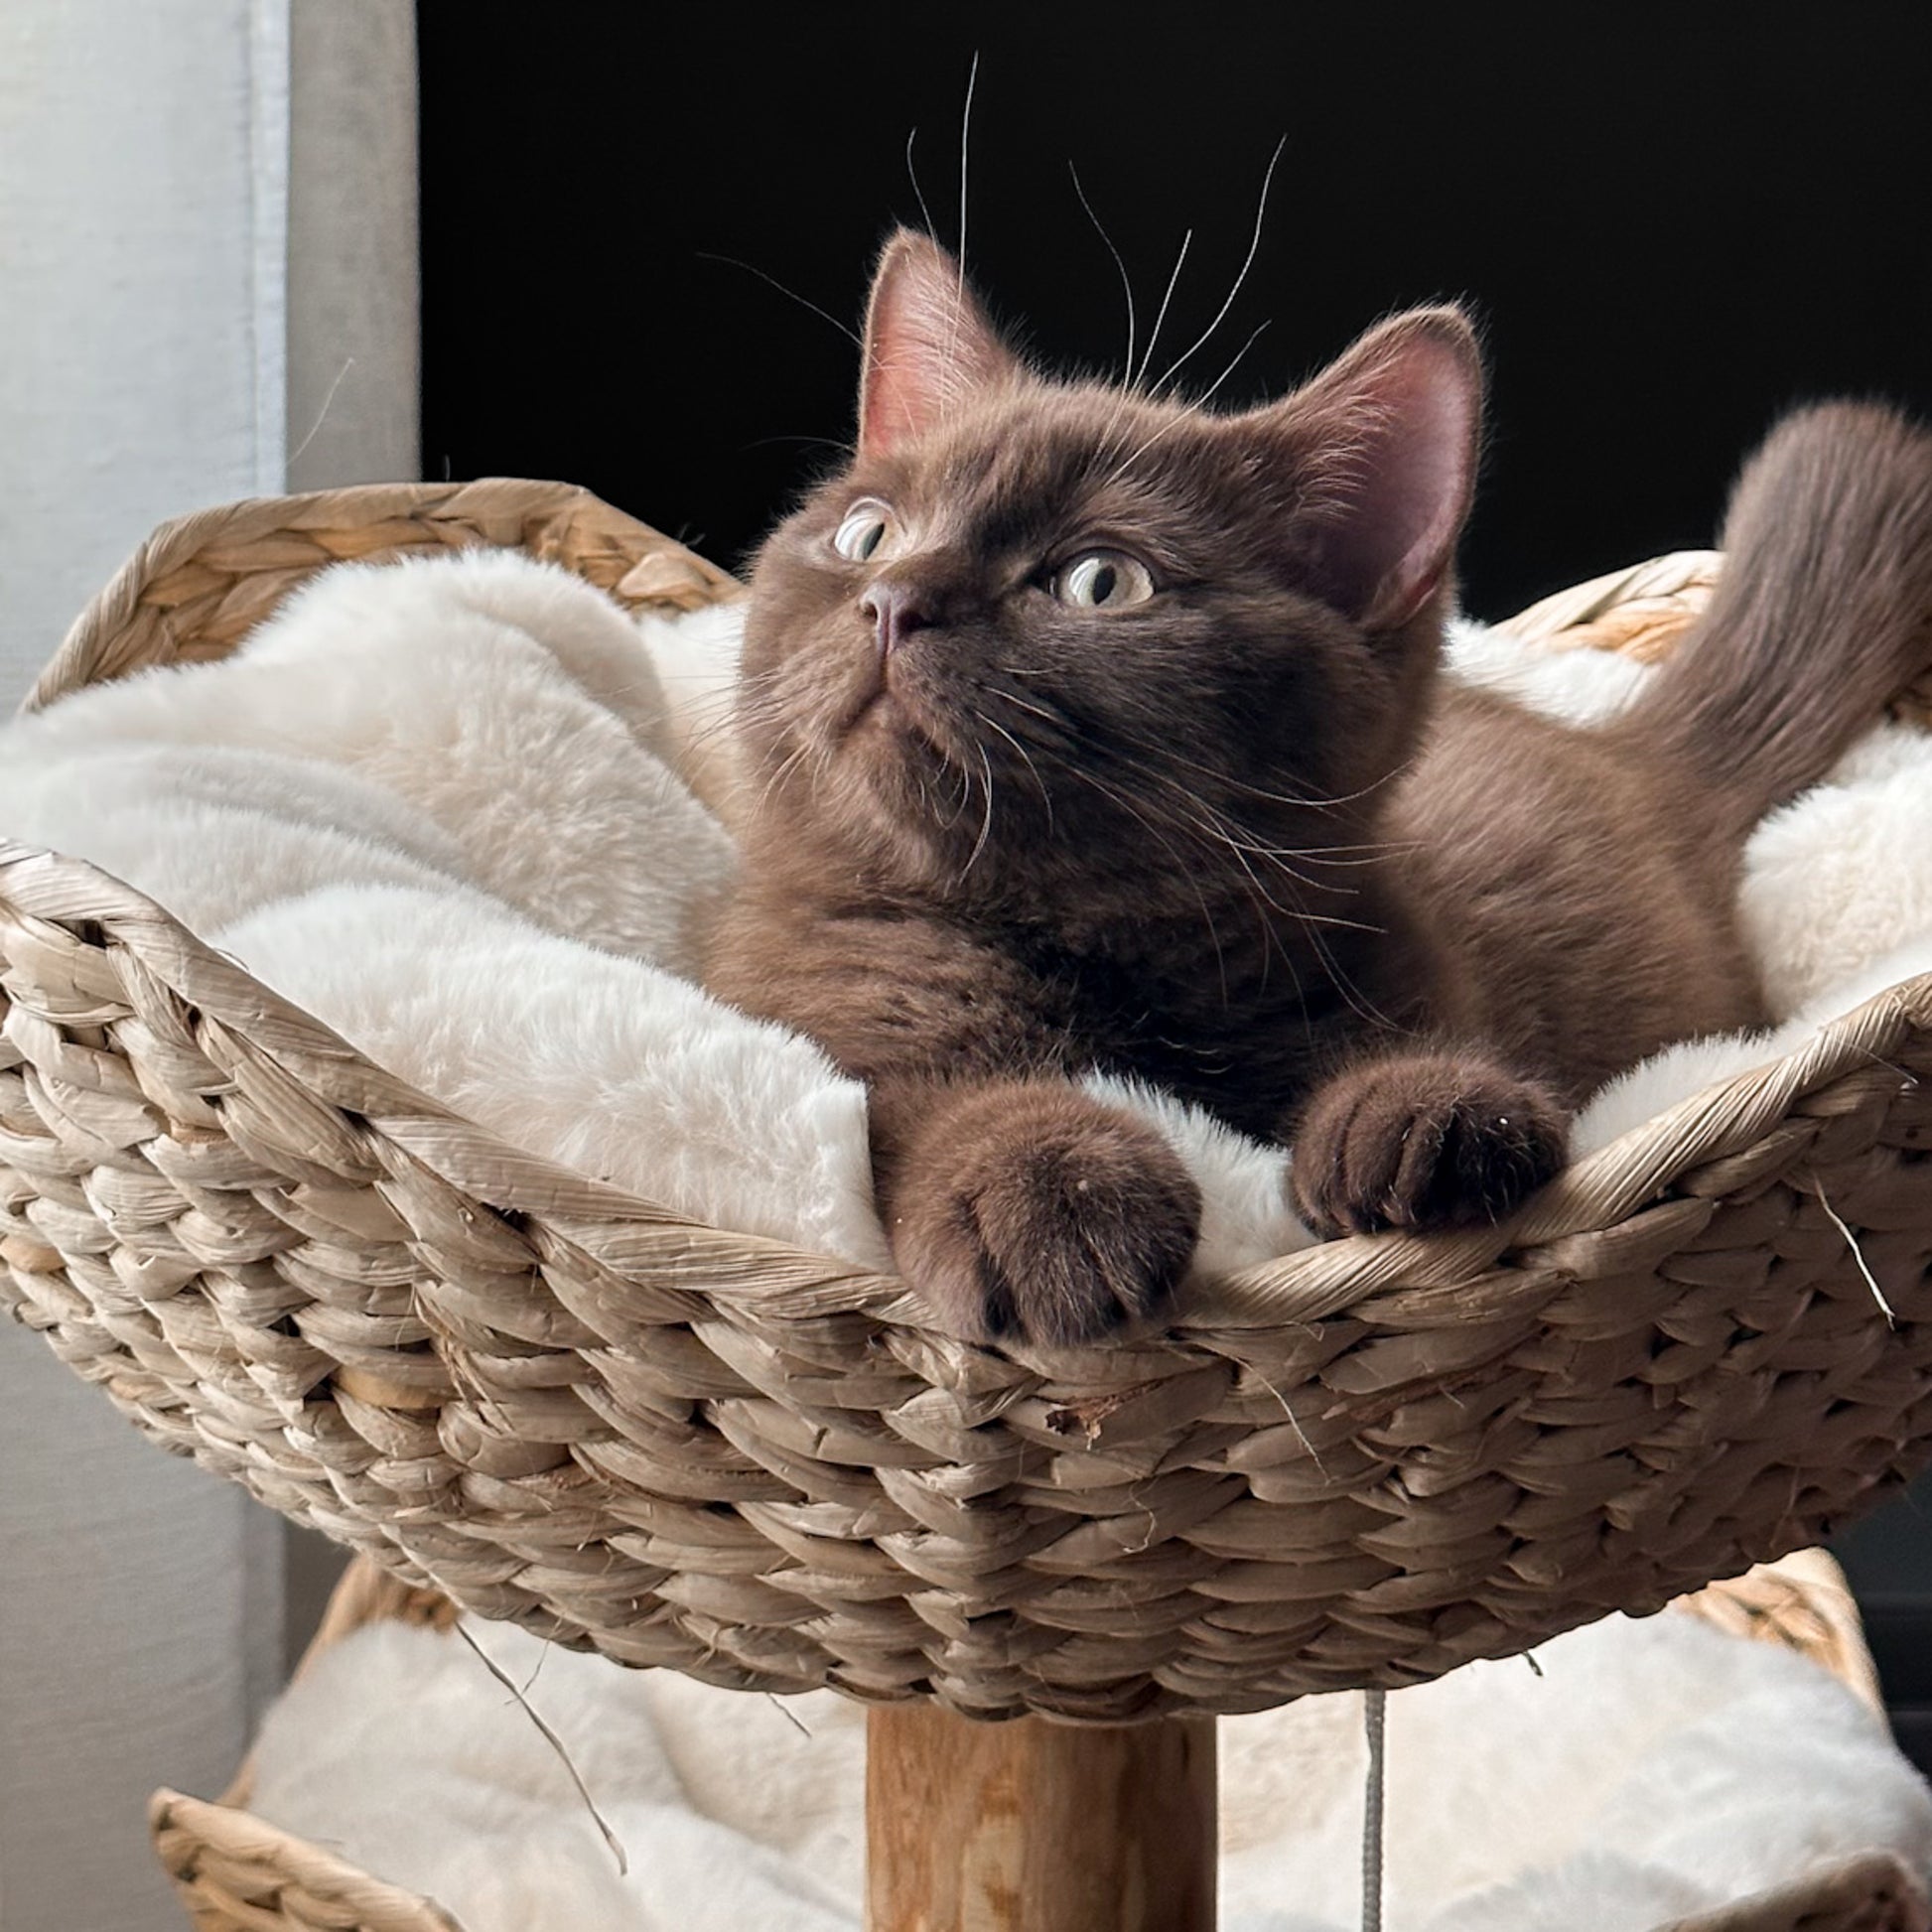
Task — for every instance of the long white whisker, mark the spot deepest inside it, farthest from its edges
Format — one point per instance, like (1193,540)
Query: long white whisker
(986,824)
(965,133)
(1244,850)
(1241,854)
(1219,831)
(1146,354)
(918,193)
(1234,362)
(1308,799)
(1127,805)
(1053,718)
(1358,1002)
(1121,469)
(1258,899)
(731,261)
(1126,284)
(1235,836)
(993,724)
(1254,246)
(820,441)
(964,781)
(782,771)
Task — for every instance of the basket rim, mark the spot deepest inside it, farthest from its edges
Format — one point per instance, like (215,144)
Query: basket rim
(1606,1189)
(488,500)
(184,1830)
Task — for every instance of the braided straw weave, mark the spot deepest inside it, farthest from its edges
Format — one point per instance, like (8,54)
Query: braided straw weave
(236,1872)
(1361,1464)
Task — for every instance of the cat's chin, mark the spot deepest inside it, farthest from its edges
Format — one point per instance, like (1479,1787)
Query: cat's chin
(879,712)
(901,742)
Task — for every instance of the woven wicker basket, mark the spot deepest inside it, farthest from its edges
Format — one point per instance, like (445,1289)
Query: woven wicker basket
(1379,1459)
(236,1872)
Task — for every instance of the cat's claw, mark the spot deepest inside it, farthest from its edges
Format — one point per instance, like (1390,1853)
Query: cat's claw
(1059,1223)
(1424,1142)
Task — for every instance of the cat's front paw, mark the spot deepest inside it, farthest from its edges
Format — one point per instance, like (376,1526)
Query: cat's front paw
(1424,1141)
(1031,1210)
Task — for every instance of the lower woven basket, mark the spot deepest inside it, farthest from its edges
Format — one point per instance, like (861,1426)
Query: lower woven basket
(1362,1464)
(236,1872)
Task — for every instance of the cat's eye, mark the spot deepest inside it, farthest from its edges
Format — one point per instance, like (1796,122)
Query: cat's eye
(1102,580)
(866,527)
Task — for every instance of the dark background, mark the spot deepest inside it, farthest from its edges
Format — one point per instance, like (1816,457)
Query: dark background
(1672,223)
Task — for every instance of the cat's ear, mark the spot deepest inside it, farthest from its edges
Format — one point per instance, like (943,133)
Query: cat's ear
(928,344)
(1380,452)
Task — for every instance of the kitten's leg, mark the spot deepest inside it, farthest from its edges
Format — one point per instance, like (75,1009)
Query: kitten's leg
(1026,1207)
(1424,1141)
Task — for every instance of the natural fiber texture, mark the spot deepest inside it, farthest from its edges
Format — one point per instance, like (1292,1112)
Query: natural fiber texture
(1801,1603)
(202,582)
(235,1874)
(1876,1893)
(1375,1459)
(1641,611)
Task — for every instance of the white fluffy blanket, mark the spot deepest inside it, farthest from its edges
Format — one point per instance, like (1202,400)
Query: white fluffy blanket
(440,806)
(437,806)
(1653,1769)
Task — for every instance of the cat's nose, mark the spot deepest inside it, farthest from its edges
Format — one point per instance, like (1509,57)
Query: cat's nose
(895,611)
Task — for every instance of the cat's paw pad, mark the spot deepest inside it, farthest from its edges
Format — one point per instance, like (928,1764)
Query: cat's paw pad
(1058,1221)
(1421,1143)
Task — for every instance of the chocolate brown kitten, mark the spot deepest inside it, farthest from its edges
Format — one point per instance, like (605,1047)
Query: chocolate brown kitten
(1093,730)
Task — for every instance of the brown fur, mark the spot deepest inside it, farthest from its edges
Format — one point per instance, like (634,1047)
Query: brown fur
(1232,839)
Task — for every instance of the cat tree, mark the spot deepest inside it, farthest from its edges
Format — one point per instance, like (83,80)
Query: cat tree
(1370,1463)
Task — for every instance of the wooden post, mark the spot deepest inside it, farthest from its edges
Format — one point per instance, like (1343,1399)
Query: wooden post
(1038,1827)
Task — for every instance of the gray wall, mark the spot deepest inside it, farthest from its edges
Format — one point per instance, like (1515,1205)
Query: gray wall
(143,157)
(193,253)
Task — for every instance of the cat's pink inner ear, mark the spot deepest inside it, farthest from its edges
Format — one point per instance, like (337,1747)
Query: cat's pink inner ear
(929,345)
(1386,444)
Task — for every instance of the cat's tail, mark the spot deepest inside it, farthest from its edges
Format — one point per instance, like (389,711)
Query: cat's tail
(1821,616)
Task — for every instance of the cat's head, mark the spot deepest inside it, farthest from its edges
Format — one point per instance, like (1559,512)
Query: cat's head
(1043,637)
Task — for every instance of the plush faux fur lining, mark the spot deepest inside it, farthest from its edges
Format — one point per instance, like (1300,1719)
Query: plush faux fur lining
(1648,1770)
